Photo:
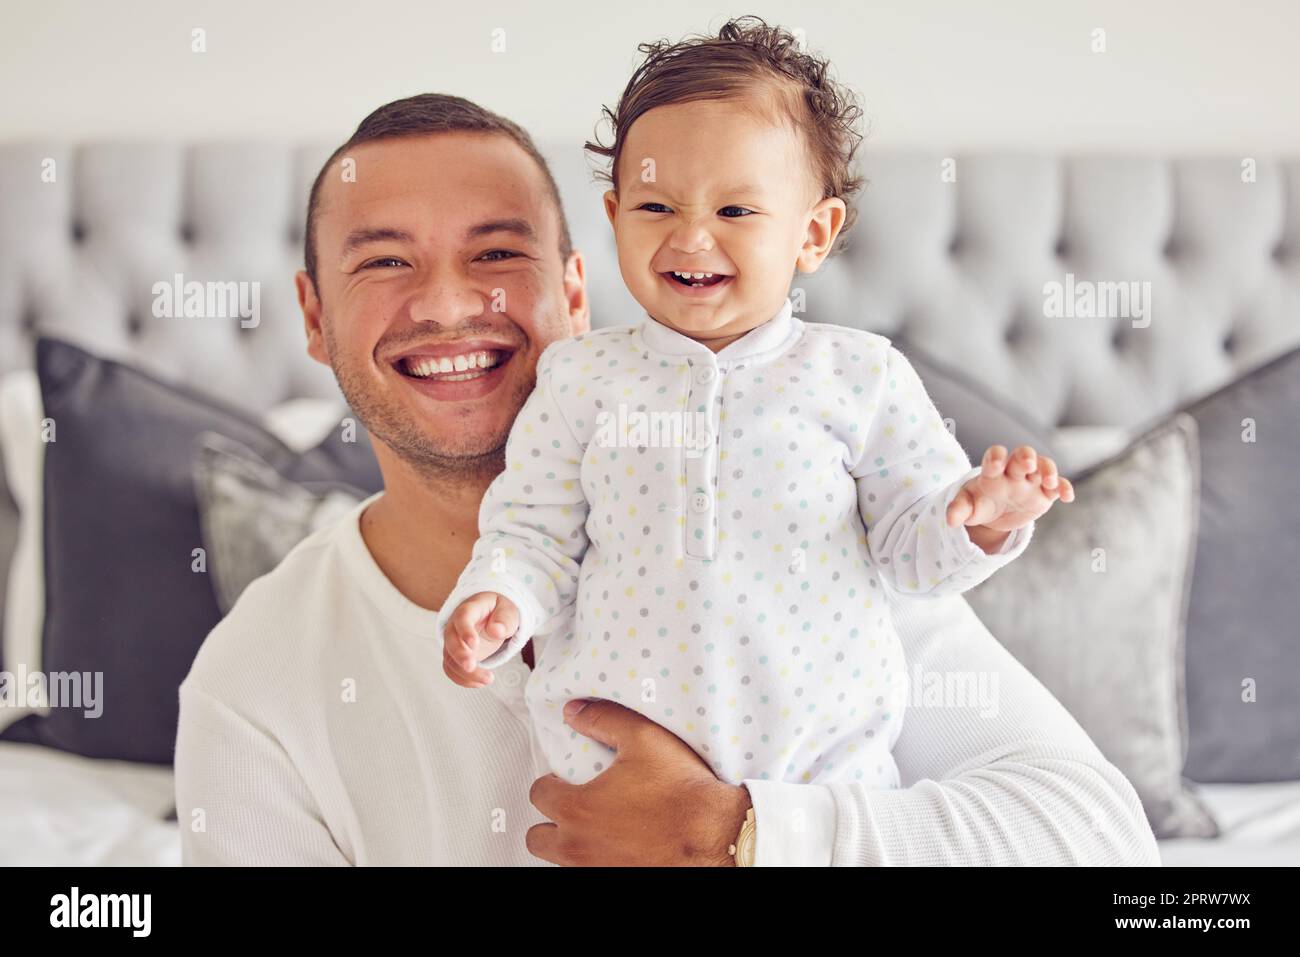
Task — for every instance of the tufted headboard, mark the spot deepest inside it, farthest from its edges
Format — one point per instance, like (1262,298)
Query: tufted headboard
(951,255)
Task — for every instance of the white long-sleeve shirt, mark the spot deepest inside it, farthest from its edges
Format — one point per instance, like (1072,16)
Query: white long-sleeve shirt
(715,573)
(315,731)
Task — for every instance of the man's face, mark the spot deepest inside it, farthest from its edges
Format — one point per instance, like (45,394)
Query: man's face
(439,283)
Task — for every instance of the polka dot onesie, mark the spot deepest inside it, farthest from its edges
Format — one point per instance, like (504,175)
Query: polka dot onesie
(709,540)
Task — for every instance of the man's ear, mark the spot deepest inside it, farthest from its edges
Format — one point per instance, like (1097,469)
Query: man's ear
(309,303)
(611,206)
(575,294)
(824,225)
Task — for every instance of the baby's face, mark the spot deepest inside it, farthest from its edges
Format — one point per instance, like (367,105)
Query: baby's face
(713,187)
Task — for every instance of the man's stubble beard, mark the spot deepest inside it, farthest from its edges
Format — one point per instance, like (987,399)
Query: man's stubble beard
(395,428)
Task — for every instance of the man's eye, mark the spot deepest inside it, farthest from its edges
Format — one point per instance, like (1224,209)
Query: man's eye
(499,255)
(654,208)
(383,260)
(735,212)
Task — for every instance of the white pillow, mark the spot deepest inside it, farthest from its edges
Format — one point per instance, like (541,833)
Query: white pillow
(24,460)
(302,424)
(1081,446)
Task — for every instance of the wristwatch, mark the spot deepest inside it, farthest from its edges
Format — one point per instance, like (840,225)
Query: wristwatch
(746,843)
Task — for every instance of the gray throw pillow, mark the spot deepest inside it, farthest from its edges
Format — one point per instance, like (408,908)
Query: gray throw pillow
(1243,624)
(1096,610)
(125,598)
(252,516)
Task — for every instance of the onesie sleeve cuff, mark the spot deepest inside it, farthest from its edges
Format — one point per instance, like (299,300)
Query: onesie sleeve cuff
(794,824)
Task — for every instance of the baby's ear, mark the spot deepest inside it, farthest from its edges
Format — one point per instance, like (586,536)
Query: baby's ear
(611,206)
(825,221)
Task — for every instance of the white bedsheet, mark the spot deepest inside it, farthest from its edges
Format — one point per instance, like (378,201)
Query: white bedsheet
(62,809)
(1259,824)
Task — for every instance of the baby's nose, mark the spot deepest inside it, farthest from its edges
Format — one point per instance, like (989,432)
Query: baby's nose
(691,237)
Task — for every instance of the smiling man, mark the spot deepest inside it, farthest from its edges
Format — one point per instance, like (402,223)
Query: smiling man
(316,726)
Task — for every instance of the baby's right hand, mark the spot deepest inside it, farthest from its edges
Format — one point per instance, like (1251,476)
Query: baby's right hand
(478,627)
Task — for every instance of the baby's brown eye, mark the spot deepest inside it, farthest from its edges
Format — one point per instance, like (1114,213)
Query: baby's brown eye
(734,212)
(657,208)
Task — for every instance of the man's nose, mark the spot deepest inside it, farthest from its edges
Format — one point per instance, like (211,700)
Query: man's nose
(691,237)
(447,297)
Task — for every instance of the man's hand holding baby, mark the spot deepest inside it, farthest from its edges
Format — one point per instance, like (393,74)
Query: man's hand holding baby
(477,628)
(1008,494)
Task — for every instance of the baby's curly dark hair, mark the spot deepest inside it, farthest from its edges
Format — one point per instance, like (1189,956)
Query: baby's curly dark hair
(746,55)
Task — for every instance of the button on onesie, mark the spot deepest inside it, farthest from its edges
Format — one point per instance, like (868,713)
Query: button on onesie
(714,540)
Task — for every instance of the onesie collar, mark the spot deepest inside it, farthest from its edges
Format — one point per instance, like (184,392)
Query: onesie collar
(771,337)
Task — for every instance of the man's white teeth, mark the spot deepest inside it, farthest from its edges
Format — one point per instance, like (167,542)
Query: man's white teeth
(471,362)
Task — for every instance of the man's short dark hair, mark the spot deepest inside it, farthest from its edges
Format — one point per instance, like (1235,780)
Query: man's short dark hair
(419,116)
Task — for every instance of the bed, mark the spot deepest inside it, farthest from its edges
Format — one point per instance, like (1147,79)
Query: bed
(958,277)
(61,809)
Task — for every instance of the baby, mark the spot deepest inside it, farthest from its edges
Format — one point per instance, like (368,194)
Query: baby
(703,517)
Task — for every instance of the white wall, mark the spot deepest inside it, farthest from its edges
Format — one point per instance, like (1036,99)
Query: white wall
(945,74)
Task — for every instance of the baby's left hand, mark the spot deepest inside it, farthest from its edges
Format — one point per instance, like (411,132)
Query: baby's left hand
(1010,492)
